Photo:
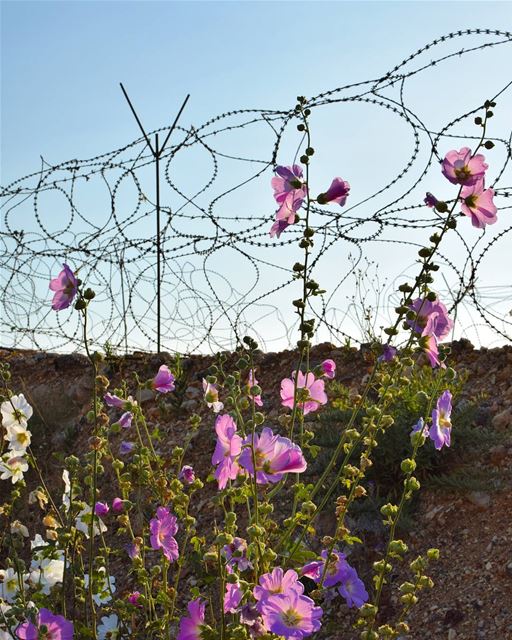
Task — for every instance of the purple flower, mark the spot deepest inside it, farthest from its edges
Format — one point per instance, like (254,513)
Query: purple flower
(57,627)
(65,286)
(190,627)
(429,346)
(278,227)
(250,616)
(432,318)
(388,353)
(329,369)
(232,597)
(251,382)
(441,429)
(308,387)
(336,567)
(478,205)
(337,192)
(274,455)
(228,447)
(101,509)
(126,447)
(125,421)
(277,582)
(114,401)
(236,554)
(164,380)
(133,550)
(163,528)
(460,167)
(133,598)
(187,474)
(289,188)
(430,200)
(352,588)
(420,427)
(117,505)
(291,615)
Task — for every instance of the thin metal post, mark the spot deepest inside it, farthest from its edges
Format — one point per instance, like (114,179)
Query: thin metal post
(158,249)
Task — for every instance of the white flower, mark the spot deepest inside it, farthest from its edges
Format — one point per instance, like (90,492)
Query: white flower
(102,587)
(15,411)
(10,584)
(49,573)
(108,625)
(5,633)
(83,519)
(17,528)
(13,467)
(66,496)
(18,438)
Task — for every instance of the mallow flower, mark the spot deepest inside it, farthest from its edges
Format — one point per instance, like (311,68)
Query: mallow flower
(291,615)
(310,392)
(15,412)
(228,447)
(47,626)
(163,528)
(190,626)
(65,286)
(478,205)
(164,380)
(337,192)
(460,167)
(277,581)
(441,429)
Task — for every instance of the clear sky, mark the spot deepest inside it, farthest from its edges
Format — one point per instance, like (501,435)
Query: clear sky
(62,61)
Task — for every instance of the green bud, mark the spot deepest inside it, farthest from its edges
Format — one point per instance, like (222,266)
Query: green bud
(408,465)
(433,554)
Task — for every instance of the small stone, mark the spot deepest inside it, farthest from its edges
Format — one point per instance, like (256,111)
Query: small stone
(480,498)
(452,634)
(509,569)
(497,454)
(502,420)
(488,566)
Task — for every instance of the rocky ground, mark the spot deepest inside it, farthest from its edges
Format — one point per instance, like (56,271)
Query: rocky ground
(472,599)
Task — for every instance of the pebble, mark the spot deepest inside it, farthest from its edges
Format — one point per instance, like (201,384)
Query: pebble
(509,569)
(452,634)
(480,498)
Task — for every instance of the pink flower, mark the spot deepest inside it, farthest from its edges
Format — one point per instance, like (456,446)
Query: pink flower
(251,382)
(429,344)
(117,505)
(232,597)
(274,455)
(337,192)
(164,380)
(101,509)
(430,200)
(133,598)
(277,582)
(236,555)
(441,430)
(126,447)
(57,627)
(310,392)
(114,401)
(228,447)
(125,421)
(278,227)
(288,186)
(163,529)
(477,204)
(462,168)
(65,286)
(329,368)
(187,474)
(190,627)
(291,615)
(133,550)
(432,318)
(211,395)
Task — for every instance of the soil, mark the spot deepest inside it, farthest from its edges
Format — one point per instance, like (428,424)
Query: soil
(472,596)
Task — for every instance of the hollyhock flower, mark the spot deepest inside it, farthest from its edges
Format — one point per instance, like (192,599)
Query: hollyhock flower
(277,582)
(114,401)
(83,519)
(125,421)
(164,380)
(337,192)
(275,456)
(108,629)
(250,617)
(441,429)
(252,382)
(352,588)
(187,474)
(163,528)
(420,427)
(101,509)
(432,318)
(190,627)
(118,505)
(477,204)
(126,447)
(329,368)
(133,550)
(310,392)
(65,286)
(336,567)
(236,554)
(103,586)
(232,597)
(19,529)
(48,626)
(211,395)
(12,467)
(18,438)
(66,496)
(46,573)
(388,353)
(278,227)
(288,185)
(291,615)
(10,584)
(134,597)
(430,200)
(228,447)
(429,344)
(460,167)
(15,412)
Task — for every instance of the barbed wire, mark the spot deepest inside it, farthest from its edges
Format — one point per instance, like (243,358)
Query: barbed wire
(221,274)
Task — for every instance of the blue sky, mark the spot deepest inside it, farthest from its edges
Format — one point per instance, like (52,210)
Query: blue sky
(62,62)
